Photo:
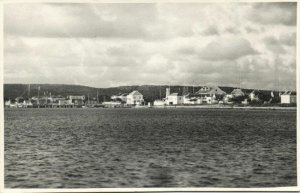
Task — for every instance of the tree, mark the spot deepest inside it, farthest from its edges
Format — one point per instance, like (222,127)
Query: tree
(239,99)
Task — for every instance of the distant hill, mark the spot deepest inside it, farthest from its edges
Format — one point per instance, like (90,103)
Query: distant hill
(150,92)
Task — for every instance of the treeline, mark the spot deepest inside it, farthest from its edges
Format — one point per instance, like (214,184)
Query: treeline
(150,92)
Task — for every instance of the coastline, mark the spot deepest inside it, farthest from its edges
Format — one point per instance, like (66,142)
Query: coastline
(182,107)
(226,107)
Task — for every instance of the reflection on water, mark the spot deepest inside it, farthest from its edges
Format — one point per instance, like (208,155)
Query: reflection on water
(100,148)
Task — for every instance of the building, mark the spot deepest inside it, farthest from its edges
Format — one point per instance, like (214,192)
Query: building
(168,92)
(288,97)
(62,102)
(27,103)
(159,103)
(237,93)
(9,104)
(55,99)
(174,99)
(91,103)
(254,95)
(112,104)
(134,98)
(209,95)
(76,100)
(189,99)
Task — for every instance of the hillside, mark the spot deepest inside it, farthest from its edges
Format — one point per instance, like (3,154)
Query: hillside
(150,92)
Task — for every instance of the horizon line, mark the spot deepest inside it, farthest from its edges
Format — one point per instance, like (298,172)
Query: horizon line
(61,84)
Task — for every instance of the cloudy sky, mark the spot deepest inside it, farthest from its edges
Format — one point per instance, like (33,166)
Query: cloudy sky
(104,45)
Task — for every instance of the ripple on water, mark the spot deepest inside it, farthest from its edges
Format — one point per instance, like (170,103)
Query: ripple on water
(80,148)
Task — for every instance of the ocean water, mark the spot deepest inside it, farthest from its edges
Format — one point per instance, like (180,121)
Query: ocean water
(109,148)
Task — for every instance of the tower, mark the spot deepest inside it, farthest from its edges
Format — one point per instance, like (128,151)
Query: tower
(167,92)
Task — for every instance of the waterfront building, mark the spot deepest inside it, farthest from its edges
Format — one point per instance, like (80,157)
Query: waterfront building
(76,100)
(288,97)
(159,103)
(7,103)
(210,91)
(27,104)
(62,102)
(55,99)
(19,100)
(237,93)
(91,103)
(234,94)
(174,99)
(245,102)
(209,95)
(112,104)
(254,95)
(188,99)
(168,92)
(134,98)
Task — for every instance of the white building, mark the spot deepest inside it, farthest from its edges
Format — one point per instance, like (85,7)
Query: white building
(76,100)
(188,100)
(209,94)
(254,96)
(27,103)
(174,99)
(112,104)
(159,103)
(288,97)
(134,98)
(7,103)
(62,102)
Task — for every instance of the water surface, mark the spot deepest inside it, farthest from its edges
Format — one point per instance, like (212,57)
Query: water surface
(105,148)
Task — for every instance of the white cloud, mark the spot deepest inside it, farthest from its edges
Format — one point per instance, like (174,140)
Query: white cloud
(122,44)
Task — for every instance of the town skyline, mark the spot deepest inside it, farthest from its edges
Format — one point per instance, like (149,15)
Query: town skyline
(109,45)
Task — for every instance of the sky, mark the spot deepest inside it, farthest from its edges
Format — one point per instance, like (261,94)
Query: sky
(248,45)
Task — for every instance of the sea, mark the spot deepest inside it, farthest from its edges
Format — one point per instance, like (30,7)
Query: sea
(144,148)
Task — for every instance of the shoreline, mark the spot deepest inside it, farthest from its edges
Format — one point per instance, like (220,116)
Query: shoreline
(226,107)
(181,107)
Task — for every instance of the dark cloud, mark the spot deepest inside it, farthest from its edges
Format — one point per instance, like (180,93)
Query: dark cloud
(284,13)
(227,49)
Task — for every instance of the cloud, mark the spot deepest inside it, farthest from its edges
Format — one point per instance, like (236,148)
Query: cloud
(211,30)
(79,20)
(105,45)
(288,39)
(251,29)
(274,45)
(284,13)
(232,30)
(227,49)
(186,50)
